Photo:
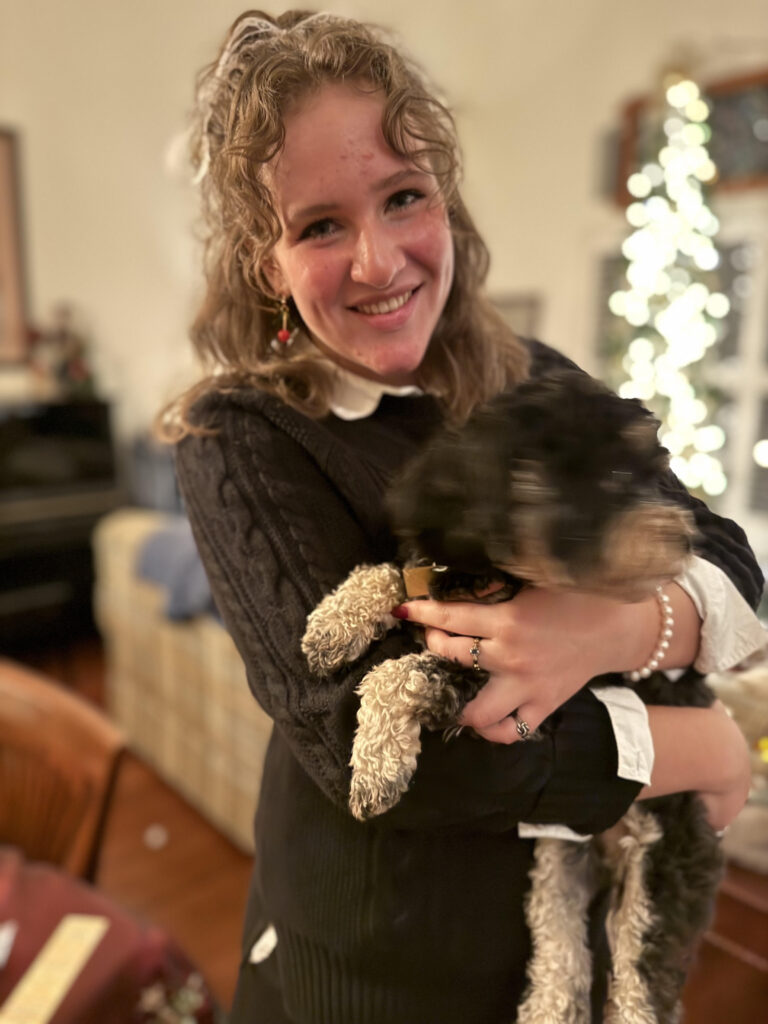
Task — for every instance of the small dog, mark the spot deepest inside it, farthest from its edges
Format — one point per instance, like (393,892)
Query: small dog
(559,484)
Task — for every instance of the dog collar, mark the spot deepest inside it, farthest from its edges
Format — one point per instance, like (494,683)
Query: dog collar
(418,578)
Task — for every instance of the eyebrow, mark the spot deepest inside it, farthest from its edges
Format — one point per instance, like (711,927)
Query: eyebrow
(323,209)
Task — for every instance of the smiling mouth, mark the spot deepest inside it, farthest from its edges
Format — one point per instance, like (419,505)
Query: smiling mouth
(387,306)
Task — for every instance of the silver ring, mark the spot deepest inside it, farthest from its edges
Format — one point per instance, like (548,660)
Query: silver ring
(523,729)
(474,650)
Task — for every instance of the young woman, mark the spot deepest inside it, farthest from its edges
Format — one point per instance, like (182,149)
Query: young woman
(343,323)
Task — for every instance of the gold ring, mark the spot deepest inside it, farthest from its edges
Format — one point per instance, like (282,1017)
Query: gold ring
(474,650)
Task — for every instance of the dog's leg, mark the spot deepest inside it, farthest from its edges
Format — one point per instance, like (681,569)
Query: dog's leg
(560,968)
(630,919)
(346,621)
(683,869)
(397,698)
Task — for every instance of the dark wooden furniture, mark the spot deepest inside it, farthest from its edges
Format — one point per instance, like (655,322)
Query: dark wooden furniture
(58,475)
(58,763)
(729,981)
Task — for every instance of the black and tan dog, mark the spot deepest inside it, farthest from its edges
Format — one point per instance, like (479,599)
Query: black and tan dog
(559,484)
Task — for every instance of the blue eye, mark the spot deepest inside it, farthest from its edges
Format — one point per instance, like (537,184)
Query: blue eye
(405,198)
(319,229)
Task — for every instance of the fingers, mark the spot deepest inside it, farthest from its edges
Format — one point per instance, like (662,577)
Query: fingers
(490,708)
(494,704)
(459,648)
(512,729)
(489,713)
(501,732)
(464,617)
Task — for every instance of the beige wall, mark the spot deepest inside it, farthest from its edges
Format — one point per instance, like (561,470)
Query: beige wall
(98,90)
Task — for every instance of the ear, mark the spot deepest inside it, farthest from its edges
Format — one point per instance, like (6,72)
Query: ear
(274,274)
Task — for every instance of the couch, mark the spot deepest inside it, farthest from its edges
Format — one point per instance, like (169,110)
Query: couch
(174,680)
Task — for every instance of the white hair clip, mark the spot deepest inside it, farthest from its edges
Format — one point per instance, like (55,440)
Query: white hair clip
(248,31)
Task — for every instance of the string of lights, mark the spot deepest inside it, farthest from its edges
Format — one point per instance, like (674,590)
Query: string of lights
(675,316)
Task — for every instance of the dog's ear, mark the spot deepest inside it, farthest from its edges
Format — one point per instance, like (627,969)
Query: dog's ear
(645,545)
(640,434)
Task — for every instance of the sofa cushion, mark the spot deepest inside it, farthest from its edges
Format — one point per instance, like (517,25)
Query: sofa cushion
(169,558)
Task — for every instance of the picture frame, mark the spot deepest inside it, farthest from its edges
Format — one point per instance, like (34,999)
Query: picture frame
(522,311)
(738,146)
(13,319)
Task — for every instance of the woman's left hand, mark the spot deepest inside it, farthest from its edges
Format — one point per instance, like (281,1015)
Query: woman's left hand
(539,649)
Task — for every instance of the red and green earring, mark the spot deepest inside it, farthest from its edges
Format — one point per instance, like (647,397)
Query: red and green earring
(286,334)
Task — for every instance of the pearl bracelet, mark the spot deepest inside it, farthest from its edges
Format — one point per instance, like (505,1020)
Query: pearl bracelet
(662,646)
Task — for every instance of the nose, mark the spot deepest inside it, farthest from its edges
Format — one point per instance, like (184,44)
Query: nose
(377,257)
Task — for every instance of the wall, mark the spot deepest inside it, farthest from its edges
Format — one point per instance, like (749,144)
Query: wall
(99,90)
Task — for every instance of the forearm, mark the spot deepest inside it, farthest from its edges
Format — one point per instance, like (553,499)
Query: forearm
(568,776)
(644,630)
(700,750)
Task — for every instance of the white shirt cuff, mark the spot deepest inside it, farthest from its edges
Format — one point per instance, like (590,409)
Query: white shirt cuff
(527,831)
(730,630)
(629,718)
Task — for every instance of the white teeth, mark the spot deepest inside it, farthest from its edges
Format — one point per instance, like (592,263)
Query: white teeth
(386,307)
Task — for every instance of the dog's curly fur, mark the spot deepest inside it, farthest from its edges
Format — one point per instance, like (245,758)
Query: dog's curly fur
(557,484)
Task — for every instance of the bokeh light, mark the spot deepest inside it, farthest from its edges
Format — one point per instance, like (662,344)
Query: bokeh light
(676,317)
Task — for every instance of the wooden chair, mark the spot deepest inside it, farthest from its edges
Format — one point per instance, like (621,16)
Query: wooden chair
(58,764)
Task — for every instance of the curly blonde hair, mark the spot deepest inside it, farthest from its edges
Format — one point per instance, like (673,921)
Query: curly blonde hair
(265,66)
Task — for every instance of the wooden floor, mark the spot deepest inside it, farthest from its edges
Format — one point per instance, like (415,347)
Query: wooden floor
(195,884)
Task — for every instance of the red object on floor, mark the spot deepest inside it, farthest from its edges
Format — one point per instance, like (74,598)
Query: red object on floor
(135,970)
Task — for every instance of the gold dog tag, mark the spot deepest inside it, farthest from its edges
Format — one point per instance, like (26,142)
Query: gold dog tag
(418,579)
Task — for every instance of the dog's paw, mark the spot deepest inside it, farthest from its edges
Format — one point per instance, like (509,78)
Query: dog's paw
(387,743)
(371,795)
(331,640)
(346,622)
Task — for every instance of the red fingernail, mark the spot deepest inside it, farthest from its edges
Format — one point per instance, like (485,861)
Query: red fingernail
(401,611)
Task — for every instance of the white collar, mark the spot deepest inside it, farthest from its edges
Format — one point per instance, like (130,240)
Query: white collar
(355,397)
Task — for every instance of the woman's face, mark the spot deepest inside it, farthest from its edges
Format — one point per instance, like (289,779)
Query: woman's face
(366,250)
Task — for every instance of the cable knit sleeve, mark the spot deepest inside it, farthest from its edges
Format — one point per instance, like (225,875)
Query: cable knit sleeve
(273,539)
(721,542)
(275,536)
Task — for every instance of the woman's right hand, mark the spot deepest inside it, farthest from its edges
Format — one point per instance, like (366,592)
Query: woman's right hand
(700,749)
(540,649)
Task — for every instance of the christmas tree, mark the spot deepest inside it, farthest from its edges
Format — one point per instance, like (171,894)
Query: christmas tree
(671,312)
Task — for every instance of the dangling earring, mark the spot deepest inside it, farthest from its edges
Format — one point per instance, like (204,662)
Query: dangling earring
(285,335)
